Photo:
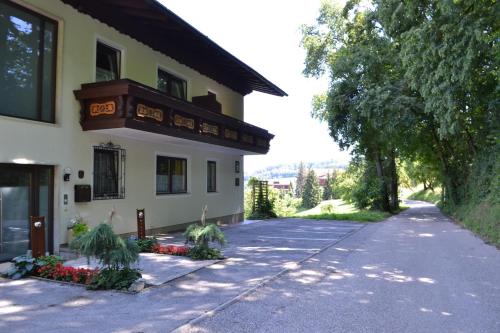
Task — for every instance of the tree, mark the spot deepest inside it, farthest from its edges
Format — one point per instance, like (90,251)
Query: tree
(299,184)
(365,92)
(311,196)
(329,188)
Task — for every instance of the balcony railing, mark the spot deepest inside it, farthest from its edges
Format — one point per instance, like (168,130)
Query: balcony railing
(129,104)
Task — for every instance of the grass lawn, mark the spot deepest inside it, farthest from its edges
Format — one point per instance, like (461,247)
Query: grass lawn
(427,195)
(340,210)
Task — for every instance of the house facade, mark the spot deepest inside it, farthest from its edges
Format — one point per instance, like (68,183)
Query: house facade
(117,106)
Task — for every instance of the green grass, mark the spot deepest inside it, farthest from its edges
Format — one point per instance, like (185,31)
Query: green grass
(427,195)
(340,210)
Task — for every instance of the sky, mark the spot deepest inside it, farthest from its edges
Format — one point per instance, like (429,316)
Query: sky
(265,34)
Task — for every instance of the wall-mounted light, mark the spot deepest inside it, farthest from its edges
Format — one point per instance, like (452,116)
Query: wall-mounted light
(66,174)
(237,166)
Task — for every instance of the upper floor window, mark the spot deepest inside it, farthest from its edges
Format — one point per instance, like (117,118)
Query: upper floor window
(109,172)
(107,63)
(172,85)
(28,48)
(211,176)
(171,175)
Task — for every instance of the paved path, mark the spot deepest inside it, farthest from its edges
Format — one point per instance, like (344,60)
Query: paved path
(416,272)
(257,251)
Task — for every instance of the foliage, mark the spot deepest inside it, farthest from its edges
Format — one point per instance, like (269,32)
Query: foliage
(204,253)
(300,180)
(23,265)
(171,249)
(329,190)
(80,229)
(147,244)
(360,185)
(107,247)
(48,260)
(203,234)
(112,278)
(311,195)
(417,82)
(285,204)
(432,196)
(264,209)
(360,216)
(66,273)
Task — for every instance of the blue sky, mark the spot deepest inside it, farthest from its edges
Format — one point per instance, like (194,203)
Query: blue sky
(265,35)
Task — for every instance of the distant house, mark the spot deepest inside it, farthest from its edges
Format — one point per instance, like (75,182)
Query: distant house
(117,105)
(322,180)
(282,187)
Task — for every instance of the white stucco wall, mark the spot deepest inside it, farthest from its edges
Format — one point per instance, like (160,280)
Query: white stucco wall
(64,144)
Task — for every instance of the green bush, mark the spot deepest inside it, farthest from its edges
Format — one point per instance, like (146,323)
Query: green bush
(107,247)
(111,278)
(48,260)
(79,229)
(147,244)
(201,235)
(204,253)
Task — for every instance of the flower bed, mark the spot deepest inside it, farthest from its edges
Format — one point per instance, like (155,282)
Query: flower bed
(171,249)
(66,273)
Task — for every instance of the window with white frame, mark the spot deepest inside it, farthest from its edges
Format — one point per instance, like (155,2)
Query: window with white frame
(107,64)
(171,175)
(172,85)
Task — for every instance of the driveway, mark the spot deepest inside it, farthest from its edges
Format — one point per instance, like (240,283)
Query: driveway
(256,252)
(415,272)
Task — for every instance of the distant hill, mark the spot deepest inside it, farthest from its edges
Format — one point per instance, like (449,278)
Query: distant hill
(290,170)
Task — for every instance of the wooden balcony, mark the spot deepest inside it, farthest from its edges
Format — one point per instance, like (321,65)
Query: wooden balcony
(129,104)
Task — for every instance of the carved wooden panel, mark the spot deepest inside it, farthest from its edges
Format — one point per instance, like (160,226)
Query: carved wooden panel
(106,108)
(181,121)
(207,128)
(144,111)
(247,138)
(230,134)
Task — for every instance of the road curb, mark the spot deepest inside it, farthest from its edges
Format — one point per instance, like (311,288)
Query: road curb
(189,325)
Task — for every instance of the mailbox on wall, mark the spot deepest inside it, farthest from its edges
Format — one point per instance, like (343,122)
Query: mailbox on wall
(83,193)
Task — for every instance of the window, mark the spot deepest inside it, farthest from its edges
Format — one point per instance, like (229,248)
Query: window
(109,173)
(28,48)
(171,175)
(211,176)
(172,85)
(107,63)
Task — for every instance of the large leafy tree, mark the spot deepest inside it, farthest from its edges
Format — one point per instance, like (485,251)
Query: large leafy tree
(414,79)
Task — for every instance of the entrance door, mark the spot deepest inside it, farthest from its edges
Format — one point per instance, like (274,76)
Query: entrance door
(24,191)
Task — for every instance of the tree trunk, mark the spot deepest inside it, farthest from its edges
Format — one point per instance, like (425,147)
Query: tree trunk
(394,182)
(384,195)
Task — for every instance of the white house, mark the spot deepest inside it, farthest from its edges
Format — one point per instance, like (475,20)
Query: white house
(122,105)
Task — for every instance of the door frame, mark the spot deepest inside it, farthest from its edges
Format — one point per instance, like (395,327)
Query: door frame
(34,204)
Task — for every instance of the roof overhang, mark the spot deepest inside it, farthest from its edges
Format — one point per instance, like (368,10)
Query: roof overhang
(153,24)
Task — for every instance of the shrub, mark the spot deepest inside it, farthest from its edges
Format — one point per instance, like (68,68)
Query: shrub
(107,247)
(80,229)
(204,253)
(327,208)
(111,278)
(48,260)
(201,235)
(147,244)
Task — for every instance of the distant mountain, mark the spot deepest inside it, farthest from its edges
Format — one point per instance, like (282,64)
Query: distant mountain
(290,170)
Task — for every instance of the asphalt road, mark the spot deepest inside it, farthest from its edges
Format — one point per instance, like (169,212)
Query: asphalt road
(416,272)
